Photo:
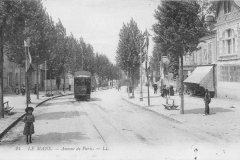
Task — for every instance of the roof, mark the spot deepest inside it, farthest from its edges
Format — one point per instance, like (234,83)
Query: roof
(82,74)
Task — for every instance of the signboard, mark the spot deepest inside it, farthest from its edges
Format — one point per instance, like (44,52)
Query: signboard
(165,59)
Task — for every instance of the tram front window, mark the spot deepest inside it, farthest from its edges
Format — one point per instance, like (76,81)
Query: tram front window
(79,82)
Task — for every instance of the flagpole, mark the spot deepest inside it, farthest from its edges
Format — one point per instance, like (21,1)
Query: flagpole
(26,76)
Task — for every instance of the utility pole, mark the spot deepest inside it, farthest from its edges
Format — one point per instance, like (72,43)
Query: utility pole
(141,95)
(146,35)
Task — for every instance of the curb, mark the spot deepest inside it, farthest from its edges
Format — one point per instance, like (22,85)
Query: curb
(162,115)
(18,119)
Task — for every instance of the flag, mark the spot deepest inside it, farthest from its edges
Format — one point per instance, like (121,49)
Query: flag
(29,67)
(145,43)
(29,57)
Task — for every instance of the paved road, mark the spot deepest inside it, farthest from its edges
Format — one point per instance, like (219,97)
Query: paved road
(107,126)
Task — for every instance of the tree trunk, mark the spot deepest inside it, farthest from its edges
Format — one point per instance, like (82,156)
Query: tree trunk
(182,87)
(64,80)
(37,81)
(1,78)
(51,80)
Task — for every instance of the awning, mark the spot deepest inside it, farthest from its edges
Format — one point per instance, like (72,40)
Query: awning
(203,76)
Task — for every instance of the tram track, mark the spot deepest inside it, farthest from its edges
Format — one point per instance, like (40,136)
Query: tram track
(105,124)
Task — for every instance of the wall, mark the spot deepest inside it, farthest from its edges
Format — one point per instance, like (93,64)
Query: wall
(228,66)
(229,90)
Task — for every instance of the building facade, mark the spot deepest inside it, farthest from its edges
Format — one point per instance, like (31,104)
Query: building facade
(228,46)
(220,50)
(200,67)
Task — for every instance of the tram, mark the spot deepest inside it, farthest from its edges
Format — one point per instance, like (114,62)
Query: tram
(82,85)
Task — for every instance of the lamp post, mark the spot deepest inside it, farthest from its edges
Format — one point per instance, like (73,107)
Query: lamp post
(45,77)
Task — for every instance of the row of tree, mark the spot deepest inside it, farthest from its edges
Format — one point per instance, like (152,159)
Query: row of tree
(22,20)
(130,44)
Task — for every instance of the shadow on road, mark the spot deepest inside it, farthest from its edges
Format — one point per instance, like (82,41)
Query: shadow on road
(59,115)
(54,138)
(213,110)
(95,99)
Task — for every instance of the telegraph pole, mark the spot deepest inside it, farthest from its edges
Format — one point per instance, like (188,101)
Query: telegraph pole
(146,35)
(141,95)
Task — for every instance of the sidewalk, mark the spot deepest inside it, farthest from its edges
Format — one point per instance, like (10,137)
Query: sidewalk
(223,121)
(19,104)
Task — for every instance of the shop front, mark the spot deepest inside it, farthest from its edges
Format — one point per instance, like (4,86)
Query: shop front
(201,78)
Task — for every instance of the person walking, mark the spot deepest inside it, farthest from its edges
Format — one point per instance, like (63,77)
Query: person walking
(207,99)
(29,127)
(167,92)
(164,91)
(23,89)
(35,89)
(155,88)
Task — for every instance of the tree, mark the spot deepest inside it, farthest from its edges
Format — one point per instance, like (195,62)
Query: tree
(31,21)
(7,16)
(178,30)
(128,50)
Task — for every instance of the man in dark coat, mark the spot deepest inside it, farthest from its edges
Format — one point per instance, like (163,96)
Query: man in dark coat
(207,99)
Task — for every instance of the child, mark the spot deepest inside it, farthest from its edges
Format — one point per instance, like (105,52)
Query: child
(28,120)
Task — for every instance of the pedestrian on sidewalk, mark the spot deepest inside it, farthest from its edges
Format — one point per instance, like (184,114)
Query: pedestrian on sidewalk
(23,89)
(167,92)
(155,88)
(16,89)
(29,127)
(164,91)
(35,89)
(207,99)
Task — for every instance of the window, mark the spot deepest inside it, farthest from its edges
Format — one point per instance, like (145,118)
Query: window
(228,42)
(228,46)
(200,56)
(227,6)
(230,73)
(209,53)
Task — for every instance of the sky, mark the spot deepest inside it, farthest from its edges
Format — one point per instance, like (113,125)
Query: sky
(99,22)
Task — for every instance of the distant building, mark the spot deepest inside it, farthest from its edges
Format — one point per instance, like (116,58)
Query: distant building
(14,77)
